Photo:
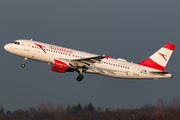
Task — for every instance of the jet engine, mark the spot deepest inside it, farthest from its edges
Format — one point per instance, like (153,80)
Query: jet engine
(61,66)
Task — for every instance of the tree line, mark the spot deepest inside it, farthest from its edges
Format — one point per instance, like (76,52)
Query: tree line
(163,110)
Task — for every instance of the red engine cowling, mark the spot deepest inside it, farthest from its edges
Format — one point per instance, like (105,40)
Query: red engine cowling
(58,70)
(60,66)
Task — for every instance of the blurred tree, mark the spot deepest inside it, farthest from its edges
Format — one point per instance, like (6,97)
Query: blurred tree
(162,105)
(170,114)
(175,102)
(32,111)
(8,112)
(148,108)
(21,114)
(69,111)
(45,115)
(157,115)
(49,107)
(42,107)
(90,107)
(78,106)
(2,110)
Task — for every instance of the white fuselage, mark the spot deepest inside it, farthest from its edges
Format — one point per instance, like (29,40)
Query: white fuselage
(118,68)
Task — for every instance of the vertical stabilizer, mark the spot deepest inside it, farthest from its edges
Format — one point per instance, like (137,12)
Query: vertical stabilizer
(160,58)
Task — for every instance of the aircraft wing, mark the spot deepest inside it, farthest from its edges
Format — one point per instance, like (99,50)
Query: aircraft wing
(86,62)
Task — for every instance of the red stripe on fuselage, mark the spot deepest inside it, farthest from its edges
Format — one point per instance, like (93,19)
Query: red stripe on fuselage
(170,46)
(150,63)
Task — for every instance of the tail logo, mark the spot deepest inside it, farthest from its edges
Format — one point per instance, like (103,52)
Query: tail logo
(164,56)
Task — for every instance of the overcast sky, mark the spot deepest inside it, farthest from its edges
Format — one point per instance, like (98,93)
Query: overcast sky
(129,29)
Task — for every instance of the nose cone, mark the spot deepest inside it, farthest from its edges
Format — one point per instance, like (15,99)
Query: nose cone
(10,48)
(6,47)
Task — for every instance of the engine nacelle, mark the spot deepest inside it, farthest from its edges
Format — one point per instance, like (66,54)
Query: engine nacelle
(60,66)
(58,70)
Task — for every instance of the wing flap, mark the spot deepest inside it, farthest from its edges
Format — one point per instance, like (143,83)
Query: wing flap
(88,61)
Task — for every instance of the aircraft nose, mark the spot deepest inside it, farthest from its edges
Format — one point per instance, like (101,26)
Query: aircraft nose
(7,47)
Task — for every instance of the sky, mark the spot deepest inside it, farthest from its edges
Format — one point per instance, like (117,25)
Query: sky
(128,29)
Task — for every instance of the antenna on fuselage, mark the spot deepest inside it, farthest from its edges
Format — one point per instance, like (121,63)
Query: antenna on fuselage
(31,39)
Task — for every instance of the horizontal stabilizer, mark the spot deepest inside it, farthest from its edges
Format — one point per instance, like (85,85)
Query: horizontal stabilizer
(159,73)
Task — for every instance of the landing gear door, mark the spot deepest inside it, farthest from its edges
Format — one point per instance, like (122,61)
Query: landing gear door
(137,68)
(27,45)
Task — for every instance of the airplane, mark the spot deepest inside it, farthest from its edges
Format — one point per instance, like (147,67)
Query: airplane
(68,60)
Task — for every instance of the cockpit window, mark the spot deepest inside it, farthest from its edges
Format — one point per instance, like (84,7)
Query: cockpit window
(18,43)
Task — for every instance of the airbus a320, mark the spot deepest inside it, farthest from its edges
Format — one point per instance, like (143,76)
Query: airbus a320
(68,60)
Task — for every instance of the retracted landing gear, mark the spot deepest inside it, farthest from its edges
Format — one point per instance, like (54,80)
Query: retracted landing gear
(23,65)
(80,76)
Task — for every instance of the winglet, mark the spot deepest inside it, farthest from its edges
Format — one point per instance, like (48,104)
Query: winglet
(107,56)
